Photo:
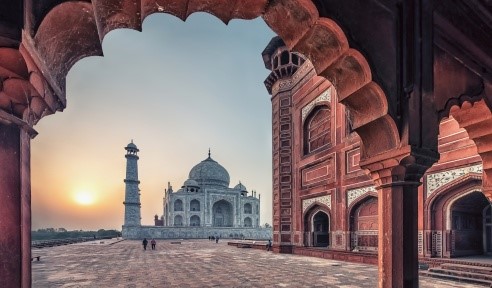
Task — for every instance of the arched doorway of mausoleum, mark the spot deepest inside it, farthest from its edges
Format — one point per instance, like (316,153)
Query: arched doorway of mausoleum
(317,227)
(195,220)
(222,214)
(364,224)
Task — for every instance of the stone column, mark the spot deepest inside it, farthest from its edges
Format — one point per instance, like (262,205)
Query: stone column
(15,192)
(397,180)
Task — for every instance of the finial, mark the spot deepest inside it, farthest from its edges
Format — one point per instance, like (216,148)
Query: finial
(132,140)
(208,152)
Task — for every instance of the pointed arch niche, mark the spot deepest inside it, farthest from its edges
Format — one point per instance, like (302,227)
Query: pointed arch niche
(317,226)
(363,217)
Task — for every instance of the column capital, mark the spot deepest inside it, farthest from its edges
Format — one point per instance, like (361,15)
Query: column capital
(402,166)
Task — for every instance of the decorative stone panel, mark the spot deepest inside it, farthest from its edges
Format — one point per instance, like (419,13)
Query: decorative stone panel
(321,173)
(436,180)
(352,160)
(353,194)
(326,200)
(324,97)
(420,239)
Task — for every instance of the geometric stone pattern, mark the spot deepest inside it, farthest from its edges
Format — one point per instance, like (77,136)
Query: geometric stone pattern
(420,239)
(326,200)
(353,194)
(436,180)
(325,97)
(126,264)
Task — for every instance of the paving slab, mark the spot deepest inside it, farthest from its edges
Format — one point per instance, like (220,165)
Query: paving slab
(196,263)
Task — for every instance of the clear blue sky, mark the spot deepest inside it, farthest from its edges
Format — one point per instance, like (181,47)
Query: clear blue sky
(176,89)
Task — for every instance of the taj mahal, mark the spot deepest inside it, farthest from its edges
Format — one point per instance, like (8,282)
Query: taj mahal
(204,206)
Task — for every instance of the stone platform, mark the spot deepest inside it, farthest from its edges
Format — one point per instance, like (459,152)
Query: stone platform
(196,263)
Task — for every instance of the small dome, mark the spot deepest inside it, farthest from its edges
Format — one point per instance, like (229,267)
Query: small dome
(210,173)
(240,187)
(190,183)
(131,146)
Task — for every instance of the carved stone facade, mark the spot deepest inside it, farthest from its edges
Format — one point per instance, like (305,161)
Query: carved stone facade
(323,198)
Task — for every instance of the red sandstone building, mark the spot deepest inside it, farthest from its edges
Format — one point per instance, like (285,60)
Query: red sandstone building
(333,203)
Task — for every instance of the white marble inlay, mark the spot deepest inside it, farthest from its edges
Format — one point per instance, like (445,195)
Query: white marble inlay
(325,96)
(326,200)
(436,180)
(353,194)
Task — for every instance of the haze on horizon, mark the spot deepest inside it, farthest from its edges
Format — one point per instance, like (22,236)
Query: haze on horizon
(177,89)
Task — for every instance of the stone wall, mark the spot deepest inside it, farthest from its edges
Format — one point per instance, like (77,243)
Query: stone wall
(139,232)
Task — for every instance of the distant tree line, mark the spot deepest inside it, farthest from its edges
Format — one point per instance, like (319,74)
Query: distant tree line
(62,233)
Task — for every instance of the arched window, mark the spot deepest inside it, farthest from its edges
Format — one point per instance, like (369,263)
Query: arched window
(178,205)
(178,220)
(195,205)
(275,62)
(248,222)
(195,220)
(284,58)
(317,129)
(247,208)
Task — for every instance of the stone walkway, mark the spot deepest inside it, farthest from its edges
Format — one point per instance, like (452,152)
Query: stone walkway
(195,263)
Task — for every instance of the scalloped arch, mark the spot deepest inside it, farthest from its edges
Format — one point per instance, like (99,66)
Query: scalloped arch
(297,22)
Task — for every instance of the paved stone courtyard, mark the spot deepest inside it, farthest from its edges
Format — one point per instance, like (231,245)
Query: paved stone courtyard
(195,263)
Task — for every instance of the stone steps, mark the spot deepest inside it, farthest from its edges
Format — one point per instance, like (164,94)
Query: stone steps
(484,283)
(461,273)
(468,268)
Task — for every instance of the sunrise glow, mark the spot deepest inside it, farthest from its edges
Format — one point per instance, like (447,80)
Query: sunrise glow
(84,198)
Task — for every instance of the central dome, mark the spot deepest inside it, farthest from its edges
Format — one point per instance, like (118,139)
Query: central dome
(210,173)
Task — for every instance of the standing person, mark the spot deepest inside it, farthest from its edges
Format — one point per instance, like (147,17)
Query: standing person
(144,242)
(152,243)
(269,245)
(217,239)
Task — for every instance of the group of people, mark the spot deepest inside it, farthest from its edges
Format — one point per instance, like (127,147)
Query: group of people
(212,238)
(152,243)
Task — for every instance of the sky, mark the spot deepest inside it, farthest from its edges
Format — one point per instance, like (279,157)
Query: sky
(177,89)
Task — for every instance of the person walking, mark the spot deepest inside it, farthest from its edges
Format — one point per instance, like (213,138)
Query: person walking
(269,245)
(217,239)
(144,242)
(152,243)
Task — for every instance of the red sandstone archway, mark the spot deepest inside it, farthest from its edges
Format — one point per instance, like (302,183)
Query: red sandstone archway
(437,213)
(317,226)
(363,217)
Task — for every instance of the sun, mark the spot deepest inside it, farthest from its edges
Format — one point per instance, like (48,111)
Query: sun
(84,198)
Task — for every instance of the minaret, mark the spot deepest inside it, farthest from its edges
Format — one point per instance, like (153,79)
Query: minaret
(132,193)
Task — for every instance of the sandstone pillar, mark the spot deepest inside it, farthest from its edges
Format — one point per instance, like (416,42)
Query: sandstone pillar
(397,180)
(15,192)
